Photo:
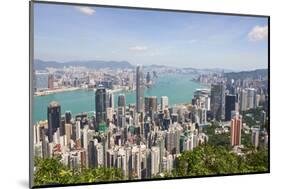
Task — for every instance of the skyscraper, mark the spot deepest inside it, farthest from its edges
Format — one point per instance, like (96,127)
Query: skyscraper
(164,102)
(229,106)
(121,110)
(263,118)
(250,98)
(218,101)
(150,105)
(148,78)
(235,131)
(155,160)
(255,137)
(139,89)
(110,100)
(122,101)
(50,81)
(67,117)
(54,119)
(100,106)
(243,100)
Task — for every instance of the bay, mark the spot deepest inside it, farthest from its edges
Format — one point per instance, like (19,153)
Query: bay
(178,87)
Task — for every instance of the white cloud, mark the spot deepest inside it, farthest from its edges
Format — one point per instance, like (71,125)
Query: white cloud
(86,10)
(258,33)
(192,41)
(138,48)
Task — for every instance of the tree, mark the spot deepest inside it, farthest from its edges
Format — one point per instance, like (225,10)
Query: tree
(51,171)
(210,160)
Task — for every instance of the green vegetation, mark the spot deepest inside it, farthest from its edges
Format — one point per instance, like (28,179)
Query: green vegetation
(203,160)
(209,160)
(252,116)
(51,171)
(246,139)
(222,139)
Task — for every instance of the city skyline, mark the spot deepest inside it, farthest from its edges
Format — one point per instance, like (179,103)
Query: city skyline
(150,37)
(102,121)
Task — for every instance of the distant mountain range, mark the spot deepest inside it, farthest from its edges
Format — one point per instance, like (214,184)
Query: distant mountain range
(255,74)
(92,64)
(99,64)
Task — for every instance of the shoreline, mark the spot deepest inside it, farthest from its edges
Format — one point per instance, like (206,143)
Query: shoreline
(178,105)
(62,90)
(54,91)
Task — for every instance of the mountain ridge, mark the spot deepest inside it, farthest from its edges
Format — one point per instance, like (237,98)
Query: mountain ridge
(93,64)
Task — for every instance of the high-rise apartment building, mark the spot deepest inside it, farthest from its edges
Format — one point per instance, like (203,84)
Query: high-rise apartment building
(164,102)
(218,101)
(235,131)
(139,89)
(54,119)
(100,106)
(229,106)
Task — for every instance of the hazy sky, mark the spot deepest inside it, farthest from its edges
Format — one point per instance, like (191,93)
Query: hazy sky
(67,33)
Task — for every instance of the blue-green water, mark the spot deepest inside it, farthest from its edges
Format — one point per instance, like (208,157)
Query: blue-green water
(179,89)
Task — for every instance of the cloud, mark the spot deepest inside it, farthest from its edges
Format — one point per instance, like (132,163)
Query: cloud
(86,10)
(138,48)
(191,41)
(258,33)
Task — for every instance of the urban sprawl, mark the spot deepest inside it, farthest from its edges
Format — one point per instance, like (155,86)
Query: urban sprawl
(144,139)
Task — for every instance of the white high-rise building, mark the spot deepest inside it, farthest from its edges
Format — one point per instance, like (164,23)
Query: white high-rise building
(36,134)
(136,162)
(170,162)
(78,130)
(139,89)
(257,101)
(250,98)
(85,137)
(243,100)
(255,137)
(99,155)
(155,160)
(164,102)
(109,113)
(122,161)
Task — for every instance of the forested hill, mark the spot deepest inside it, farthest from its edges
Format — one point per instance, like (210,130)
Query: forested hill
(255,74)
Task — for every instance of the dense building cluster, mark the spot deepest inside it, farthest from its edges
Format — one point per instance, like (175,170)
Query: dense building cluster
(144,139)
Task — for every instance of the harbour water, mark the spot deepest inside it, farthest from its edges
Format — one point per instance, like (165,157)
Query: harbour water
(178,87)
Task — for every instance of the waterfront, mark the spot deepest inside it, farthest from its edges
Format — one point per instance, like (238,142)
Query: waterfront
(178,87)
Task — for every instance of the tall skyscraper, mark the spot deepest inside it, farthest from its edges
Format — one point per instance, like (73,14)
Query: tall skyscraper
(67,117)
(50,81)
(110,100)
(202,98)
(164,102)
(121,111)
(263,118)
(100,106)
(250,98)
(155,160)
(54,119)
(229,106)
(218,101)
(243,100)
(150,105)
(255,137)
(139,89)
(122,101)
(148,78)
(235,131)
(257,100)
(34,83)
